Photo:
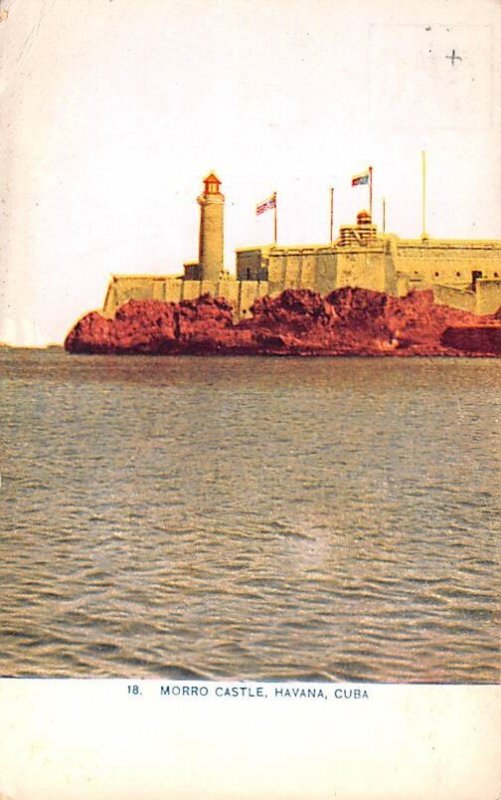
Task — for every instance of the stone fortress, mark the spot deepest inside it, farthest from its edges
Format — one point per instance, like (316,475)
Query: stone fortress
(462,273)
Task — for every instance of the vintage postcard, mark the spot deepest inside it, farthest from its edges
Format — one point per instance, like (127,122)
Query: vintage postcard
(250,328)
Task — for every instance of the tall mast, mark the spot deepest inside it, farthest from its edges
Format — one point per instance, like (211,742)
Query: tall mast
(275,222)
(370,191)
(331,238)
(423,179)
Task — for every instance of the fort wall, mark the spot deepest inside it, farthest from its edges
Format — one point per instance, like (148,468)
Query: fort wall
(454,297)
(488,294)
(141,287)
(171,289)
(428,262)
(362,268)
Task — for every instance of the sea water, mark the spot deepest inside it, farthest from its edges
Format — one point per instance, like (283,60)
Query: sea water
(264,518)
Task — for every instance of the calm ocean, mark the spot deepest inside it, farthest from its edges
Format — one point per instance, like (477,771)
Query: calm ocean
(249,517)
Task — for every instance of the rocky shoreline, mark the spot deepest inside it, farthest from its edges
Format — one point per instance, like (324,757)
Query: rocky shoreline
(347,322)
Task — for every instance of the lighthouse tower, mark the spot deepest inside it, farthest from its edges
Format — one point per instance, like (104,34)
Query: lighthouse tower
(211,244)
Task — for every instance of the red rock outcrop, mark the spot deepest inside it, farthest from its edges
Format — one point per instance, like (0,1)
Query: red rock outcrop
(297,322)
(484,339)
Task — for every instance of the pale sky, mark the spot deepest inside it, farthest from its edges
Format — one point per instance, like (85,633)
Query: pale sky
(112,112)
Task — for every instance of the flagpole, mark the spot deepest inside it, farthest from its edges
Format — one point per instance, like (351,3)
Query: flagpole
(332,216)
(423,178)
(275,219)
(370,191)
(384,214)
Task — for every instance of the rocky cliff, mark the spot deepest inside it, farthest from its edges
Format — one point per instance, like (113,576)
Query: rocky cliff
(297,322)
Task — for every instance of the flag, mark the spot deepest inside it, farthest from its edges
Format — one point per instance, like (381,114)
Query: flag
(358,180)
(271,202)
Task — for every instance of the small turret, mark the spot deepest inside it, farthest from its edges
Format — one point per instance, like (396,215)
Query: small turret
(364,232)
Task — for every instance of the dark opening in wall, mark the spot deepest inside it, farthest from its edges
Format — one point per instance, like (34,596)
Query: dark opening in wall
(437,274)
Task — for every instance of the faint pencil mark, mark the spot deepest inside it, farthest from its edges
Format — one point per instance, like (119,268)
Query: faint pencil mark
(453,58)
(28,43)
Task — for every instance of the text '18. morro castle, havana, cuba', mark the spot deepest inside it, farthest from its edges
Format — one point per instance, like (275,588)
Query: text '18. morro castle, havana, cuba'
(461,277)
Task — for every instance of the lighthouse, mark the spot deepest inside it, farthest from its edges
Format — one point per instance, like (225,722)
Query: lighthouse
(211,242)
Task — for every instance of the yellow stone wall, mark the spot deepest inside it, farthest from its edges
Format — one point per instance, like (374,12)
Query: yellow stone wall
(485,299)
(276,273)
(249,293)
(308,271)
(488,294)
(192,290)
(298,268)
(364,269)
(173,290)
(229,288)
(454,297)
(446,262)
(140,287)
(326,268)
(241,294)
(249,263)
